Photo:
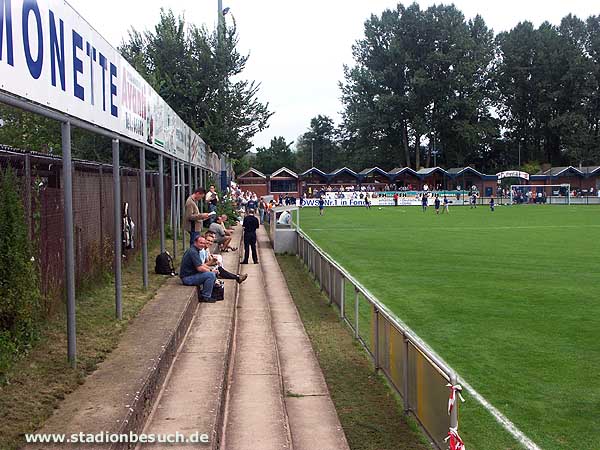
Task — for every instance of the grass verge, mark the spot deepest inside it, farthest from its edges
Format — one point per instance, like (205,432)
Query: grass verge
(38,382)
(369,412)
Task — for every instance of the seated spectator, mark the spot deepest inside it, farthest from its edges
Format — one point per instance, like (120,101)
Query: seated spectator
(222,236)
(285,218)
(194,271)
(217,261)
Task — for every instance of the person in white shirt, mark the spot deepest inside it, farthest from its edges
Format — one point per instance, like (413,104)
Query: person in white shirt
(285,218)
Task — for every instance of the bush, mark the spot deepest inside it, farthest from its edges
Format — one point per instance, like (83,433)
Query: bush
(19,280)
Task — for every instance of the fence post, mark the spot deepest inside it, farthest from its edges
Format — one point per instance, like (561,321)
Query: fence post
(356,333)
(321,272)
(405,373)
(376,337)
(454,412)
(342,297)
(330,283)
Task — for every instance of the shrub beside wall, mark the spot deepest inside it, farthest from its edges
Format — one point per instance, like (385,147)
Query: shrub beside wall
(19,280)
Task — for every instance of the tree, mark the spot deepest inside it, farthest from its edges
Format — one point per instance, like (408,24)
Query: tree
(194,71)
(319,144)
(420,76)
(279,154)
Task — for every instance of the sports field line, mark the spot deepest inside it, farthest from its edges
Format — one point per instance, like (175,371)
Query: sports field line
(462,228)
(501,418)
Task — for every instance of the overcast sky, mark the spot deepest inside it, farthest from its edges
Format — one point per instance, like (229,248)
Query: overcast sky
(298,48)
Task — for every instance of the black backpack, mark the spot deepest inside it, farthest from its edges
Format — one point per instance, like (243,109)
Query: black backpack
(164,264)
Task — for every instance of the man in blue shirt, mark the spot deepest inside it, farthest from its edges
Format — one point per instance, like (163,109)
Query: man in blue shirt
(194,271)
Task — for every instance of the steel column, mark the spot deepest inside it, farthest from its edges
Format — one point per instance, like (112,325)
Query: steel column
(28,195)
(69,243)
(118,230)
(161,202)
(190,184)
(182,204)
(173,209)
(144,217)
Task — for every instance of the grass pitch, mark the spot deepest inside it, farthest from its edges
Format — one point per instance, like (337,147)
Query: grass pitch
(510,299)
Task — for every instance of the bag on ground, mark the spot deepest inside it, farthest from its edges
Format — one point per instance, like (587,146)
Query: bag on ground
(164,264)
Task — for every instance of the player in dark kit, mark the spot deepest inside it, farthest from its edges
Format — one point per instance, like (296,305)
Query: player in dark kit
(321,206)
(436,204)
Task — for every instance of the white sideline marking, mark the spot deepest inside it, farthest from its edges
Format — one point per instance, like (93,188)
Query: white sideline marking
(501,418)
(523,227)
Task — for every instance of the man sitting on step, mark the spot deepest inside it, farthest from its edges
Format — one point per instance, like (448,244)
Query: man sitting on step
(217,260)
(195,272)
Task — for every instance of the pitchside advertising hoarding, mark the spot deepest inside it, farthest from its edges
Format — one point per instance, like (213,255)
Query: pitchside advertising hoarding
(51,56)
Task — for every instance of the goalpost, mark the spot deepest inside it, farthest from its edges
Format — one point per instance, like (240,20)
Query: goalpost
(562,191)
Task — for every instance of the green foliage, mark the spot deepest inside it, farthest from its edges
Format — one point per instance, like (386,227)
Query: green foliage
(278,154)
(320,144)
(19,280)
(194,70)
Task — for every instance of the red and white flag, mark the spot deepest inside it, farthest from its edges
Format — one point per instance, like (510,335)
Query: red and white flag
(456,442)
(455,389)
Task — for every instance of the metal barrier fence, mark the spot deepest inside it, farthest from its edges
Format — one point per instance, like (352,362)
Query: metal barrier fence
(415,372)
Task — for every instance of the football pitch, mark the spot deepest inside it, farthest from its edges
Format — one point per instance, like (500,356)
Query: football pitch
(510,299)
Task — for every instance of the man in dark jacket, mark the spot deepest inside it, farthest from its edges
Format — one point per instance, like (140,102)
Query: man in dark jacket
(250,226)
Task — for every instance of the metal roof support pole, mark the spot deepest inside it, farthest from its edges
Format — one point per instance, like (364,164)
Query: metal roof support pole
(173,210)
(202,184)
(161,201)
(190,184)
(177,195)
(28,195)
(182,204)
(144,214)
(118,230)
(69,243)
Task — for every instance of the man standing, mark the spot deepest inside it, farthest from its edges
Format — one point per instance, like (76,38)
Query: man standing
(212,198)
(194,271)
(321,205)
(250,226)
(193,216)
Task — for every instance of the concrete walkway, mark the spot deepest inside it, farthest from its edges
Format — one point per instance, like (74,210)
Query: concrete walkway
(242,375)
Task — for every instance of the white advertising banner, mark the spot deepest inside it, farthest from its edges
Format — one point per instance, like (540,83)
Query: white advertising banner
(51,56)
(512,174)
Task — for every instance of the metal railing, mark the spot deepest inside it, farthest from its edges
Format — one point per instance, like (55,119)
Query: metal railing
(419,376)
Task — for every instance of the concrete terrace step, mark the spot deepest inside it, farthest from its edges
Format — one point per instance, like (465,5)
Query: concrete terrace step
(241,371)
(115,398)
(192,397)
(278,398)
